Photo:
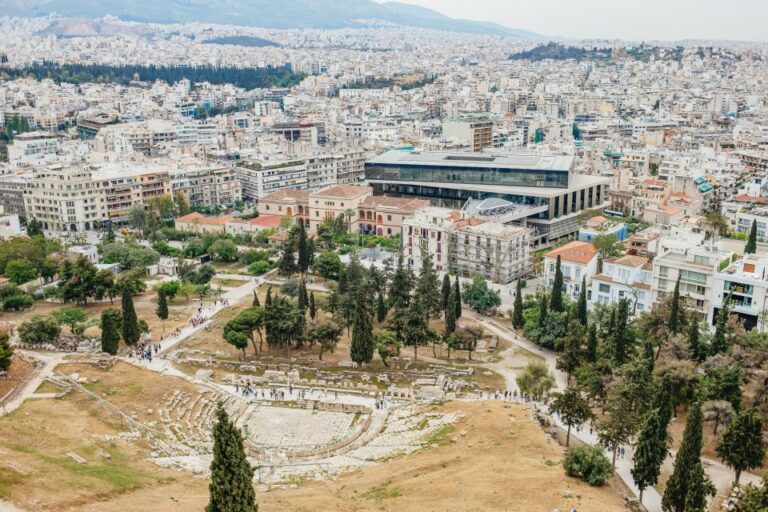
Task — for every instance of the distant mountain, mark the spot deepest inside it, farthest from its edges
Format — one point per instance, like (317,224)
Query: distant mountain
(261,13)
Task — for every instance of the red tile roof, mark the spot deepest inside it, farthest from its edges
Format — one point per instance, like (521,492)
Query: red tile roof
(576,252)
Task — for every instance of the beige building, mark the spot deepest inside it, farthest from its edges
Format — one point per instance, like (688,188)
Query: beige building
(287,202)
(383,216)
(206,186)
(199,223)
(331,202)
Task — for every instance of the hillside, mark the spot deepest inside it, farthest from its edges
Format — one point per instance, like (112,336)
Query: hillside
(262,13)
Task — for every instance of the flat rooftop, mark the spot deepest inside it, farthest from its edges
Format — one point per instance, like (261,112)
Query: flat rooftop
(489,160)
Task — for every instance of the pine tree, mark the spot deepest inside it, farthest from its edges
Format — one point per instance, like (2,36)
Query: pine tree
(518,320)
(445,292)
(689,454)
(591,354)
(162,307)
(450,316)
(231,487)
(312,305)
(381,308)
(572,408)
(741,446)
(130,321)
(751,247)
(457,304)
(719,342)
(650,452)
(362,346)
(581,311)
(699,488)
(556,297)
(109,236)
(427,292)
(695,346)
(674,309)
(110,331)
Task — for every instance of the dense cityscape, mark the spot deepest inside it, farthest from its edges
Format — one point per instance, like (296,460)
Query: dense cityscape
(445,266)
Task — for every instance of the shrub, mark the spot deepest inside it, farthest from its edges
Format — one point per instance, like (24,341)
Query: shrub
(202,275)
(252,256)
(291,288)
(587,463)
(39,329)
(18,302)
(258,268)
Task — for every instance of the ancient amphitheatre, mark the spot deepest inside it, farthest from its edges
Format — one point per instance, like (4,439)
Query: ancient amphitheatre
(87,431)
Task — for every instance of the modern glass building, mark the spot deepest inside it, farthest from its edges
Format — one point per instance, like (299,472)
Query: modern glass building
(545,184)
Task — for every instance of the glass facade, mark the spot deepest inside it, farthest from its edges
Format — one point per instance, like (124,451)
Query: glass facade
(469,174)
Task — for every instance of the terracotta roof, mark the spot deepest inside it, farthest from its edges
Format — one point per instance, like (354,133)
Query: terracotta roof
(630,261)
(745,198)
(597,220)
(655,183)
(576,252)
(266,221)
(348,191)
(287,193)
(402,203)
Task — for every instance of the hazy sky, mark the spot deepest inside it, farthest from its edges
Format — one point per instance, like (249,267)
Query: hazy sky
(624,19)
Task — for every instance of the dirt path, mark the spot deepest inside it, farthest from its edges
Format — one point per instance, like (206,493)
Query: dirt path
(40,374)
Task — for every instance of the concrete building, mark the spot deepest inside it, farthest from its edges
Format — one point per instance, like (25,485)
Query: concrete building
(64,198)
(466,245)
(695,266)
(544,186)
(625,277)
(32,148)
(601,226)
(206,186)
(577,260)
(746,282)
(473,130)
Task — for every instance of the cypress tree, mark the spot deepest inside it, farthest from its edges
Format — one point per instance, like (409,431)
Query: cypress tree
(381,308)
(542,311)
(312,305)
(361,349)
(130,321)
(650,452)
(719,342)
(231,487)
(450,317)
(268,298)
(592,344)
(110,331)
(302,297)
(621,336)
(255,299)
(457,304)
(427,292)
(162,308)
(445,292)
(751,247)
(674,309)
(681,482)
(303,249)
(518,320)
(696,348)
(699,488)
(582,314)
(741,446)
(663,402)
(109,236)
(556,297)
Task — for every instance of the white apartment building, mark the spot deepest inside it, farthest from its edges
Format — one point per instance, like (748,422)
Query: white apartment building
(206,186)
(746,281)
(31,148)
(263,177)
(466,246)
(695,266)
(578,260)
(80,198)
(626,277)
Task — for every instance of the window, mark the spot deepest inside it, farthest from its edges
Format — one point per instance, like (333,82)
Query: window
(605,288)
